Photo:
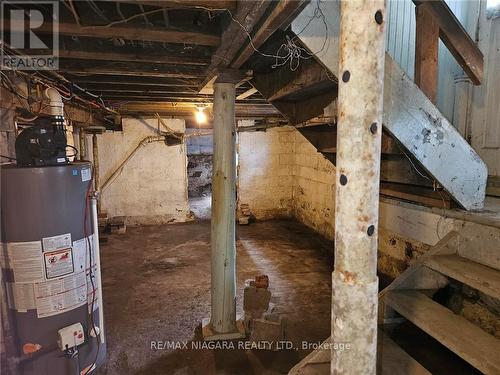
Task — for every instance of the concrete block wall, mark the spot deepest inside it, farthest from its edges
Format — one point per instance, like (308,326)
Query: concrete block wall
(313,187)
(265,172)
(152,187)
(282,175)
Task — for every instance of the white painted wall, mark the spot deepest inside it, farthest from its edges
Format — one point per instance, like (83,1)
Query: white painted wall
(152,187)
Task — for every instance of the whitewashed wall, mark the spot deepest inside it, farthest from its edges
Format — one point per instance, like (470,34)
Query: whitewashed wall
(152,188)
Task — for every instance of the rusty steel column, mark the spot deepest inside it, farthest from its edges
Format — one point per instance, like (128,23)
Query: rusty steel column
(223,324)
(354,280)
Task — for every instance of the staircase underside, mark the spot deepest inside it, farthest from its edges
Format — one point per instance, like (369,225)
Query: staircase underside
(425,135)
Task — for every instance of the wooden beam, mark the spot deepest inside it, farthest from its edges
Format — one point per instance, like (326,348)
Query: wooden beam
(186,109)
(131,57)
(246,94)
(234,36)
(200,4)
(97,70)
(129,32)
(426,52)
(284,82)
(278,17)
(456,39)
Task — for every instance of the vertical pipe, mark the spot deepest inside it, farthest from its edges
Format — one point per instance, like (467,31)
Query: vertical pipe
(95,157)
(81,139)
(223,314)
(97,254)
(354,280)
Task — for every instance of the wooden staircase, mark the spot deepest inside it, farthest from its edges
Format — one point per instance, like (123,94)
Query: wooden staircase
(421,150)
(410,297)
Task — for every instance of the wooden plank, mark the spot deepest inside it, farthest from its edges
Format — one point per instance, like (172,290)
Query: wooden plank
(475,275)
(200,4)
(101,70)
(246,94)
(279,16)
(453,331)
(391,360)
(284,82)
(129,32)
(425,196)
(131,57)
(426,52)
(456,39)
(248,14)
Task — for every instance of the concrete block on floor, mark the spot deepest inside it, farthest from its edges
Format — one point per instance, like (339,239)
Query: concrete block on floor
(256,299)
(272,332)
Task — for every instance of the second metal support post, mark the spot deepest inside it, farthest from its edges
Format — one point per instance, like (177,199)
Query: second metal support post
(354,280)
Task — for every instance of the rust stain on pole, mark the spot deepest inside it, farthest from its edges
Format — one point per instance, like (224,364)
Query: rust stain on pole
(354,280)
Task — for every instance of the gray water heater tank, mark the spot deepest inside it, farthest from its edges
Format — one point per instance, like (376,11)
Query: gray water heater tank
(48,243)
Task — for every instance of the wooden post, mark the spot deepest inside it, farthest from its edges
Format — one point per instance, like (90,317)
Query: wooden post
(426,52)
(223,324)
(359,134)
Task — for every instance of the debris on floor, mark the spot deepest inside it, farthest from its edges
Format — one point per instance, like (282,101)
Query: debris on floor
(117,225)
(262,323)
(245,214)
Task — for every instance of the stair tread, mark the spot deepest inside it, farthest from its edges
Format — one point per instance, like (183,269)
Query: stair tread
(391,359)
(455,332)
(478,276)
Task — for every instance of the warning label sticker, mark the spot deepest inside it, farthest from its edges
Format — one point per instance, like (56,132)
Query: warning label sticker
(25,260)
(62,241)
(61,295)
(21,297)
(81,253)
(86,174)
(58,263)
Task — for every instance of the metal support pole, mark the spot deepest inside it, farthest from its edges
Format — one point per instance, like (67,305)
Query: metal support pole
(354,280)
(223,324)
(81,139)
(95,157)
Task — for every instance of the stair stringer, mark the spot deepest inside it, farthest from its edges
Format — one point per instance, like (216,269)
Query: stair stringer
(409,115)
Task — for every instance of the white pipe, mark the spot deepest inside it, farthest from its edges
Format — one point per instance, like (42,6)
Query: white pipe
(55,102)
(97,251)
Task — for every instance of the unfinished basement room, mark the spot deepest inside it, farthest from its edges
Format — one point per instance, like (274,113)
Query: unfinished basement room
(246,187)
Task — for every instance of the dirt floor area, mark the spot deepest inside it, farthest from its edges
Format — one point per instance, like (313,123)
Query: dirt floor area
(156,283)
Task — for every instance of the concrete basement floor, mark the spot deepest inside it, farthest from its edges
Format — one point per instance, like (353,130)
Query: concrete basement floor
(156,283)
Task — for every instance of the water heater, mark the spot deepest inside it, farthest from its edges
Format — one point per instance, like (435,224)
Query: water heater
(51,271)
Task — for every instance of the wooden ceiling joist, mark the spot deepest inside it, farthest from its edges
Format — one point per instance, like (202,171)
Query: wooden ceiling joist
(199,4)
(278,17)
(132,57)
(106,70)
(129,32)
